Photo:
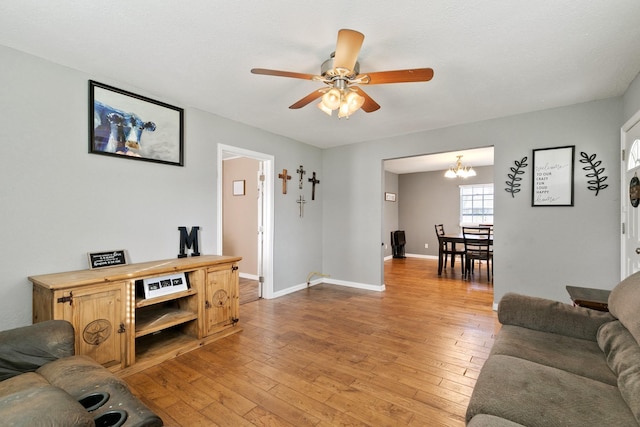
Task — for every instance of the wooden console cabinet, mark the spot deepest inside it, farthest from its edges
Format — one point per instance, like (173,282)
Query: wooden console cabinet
(118,327)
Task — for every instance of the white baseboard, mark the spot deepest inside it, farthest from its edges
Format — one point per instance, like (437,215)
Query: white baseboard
(365,286)
(249,276)
(422,256)
(388,257)
(330,282)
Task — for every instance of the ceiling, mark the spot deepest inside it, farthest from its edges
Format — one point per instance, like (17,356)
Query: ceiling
(491,59)
(441,161)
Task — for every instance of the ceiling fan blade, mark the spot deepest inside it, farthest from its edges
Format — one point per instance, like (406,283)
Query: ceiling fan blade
(398,76)
(369,105)
(308,99)
(347,49)
(278,73)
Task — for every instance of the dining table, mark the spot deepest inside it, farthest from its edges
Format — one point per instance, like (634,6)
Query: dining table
(454,239)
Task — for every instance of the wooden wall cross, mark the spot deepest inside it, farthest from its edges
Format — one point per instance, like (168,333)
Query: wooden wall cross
(313,182)
(301,171)
(284,177)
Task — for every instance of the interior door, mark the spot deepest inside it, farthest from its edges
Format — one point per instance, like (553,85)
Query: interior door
(630,196)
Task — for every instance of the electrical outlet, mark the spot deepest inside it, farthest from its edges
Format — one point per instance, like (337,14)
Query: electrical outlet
(385,246)
(426,246)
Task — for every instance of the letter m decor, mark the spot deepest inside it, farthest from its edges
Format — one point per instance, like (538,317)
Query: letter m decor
(188,241)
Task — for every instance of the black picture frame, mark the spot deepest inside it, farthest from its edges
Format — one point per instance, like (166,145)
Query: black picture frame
(123,124)
(108,258)
(553,172)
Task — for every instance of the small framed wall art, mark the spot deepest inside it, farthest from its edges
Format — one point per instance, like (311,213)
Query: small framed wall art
(238,187)
(390,197)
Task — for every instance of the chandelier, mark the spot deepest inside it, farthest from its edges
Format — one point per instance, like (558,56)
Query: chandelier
(459,171)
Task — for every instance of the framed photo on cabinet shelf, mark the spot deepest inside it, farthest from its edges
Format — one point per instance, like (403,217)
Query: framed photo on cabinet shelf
(164,285)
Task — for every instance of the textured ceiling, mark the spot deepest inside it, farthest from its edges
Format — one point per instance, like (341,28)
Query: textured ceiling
(491,59)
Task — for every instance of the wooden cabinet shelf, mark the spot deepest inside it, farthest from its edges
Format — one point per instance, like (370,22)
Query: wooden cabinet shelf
(145,302)
(159,318)
(122,330)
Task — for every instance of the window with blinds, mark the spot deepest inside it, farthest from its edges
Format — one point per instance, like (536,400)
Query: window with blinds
(476,204)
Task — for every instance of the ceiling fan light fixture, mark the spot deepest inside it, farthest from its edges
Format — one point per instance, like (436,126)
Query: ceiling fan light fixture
(354,100)
(341,73)
(324,108)
(331,99)
(343,111)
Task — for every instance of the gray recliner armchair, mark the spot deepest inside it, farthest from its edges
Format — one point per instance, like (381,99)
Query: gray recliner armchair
(42,383)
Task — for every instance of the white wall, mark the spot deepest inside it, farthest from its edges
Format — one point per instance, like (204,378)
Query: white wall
(631,99)
(537,250)
(60,202)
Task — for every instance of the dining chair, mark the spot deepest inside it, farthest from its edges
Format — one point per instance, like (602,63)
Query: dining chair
(446,248)
(478,245)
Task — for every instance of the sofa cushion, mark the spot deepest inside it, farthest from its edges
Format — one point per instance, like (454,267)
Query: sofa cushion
(551,316)
(581,357)
(81,376)
(21,382)
(26,349)
(623,356)
(535,395)
(484,420)
(78,375)
(624,304)
(42,405)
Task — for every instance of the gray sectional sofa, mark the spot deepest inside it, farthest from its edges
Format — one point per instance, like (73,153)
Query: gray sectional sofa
(42,383)
(554,364)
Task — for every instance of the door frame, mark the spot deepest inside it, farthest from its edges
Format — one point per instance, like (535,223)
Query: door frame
(268,224)
(624,196)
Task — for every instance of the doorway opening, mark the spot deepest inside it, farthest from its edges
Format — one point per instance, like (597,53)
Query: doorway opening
(251,232)
(421,197)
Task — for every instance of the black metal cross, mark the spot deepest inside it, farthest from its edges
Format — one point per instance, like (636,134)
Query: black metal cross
(313,182)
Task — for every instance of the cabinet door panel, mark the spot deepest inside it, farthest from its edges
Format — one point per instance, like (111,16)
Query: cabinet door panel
(97,317)
(218,300)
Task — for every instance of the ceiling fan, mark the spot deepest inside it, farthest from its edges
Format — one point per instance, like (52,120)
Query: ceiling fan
(341,75)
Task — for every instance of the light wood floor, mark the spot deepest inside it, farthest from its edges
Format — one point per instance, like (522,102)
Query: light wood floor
(337,356)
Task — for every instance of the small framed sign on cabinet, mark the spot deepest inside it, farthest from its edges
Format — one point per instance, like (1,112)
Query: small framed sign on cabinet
(108,259)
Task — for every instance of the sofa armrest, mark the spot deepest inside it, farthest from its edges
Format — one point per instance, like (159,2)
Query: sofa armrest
(27,348)
(551,316)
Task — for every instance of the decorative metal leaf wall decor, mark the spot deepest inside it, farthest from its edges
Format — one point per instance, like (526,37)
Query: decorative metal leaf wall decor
(514,184)
(595,184)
